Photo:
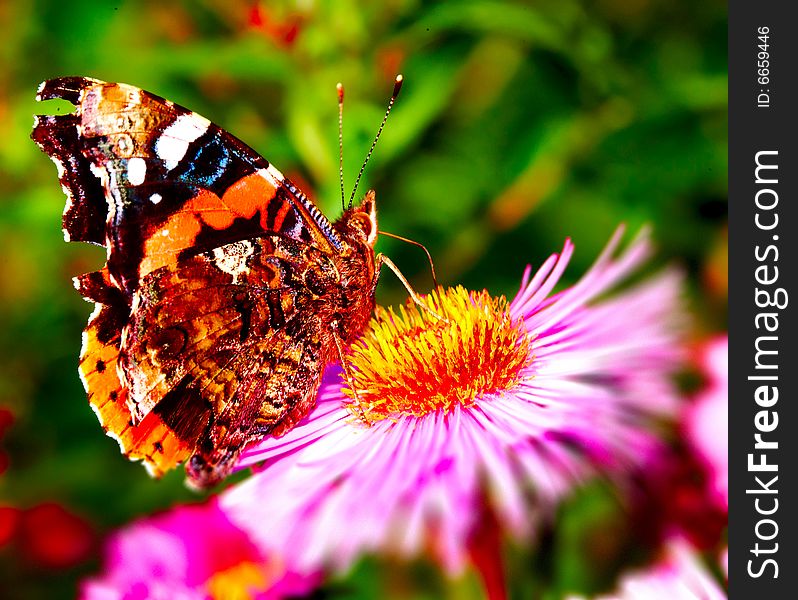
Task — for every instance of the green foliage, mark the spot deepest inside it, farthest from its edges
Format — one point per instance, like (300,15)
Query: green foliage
(519,124)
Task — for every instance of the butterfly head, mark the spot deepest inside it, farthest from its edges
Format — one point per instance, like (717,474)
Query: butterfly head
(207,468)
(360,221)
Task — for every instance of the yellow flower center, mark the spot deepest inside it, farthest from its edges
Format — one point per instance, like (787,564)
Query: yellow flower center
(412,364)
(243,581)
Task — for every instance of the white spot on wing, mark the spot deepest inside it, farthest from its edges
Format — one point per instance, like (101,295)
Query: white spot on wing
(58,165)
(156,198)
(134,99)
(296,230)
(98,172)
(172,144)
(232,258)
(70,199)
(84,346)
(271,175)
(136,171)
(101,173)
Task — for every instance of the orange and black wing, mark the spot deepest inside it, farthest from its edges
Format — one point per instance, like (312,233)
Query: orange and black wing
(158,186)
(222,347)
(227,346)
(150,440)
(149,179)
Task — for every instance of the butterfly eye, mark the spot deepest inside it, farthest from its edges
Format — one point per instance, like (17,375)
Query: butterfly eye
(362,222)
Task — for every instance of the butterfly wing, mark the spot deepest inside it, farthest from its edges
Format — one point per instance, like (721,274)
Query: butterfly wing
(149,179)
(158,185)
(151,440)
(232,337)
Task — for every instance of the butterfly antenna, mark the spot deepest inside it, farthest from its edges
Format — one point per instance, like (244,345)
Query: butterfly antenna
(340,88)
(420,245)
(396,87)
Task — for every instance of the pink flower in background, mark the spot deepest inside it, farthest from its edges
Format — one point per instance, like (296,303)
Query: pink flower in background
(707,421)
(674,497)
(678,575)
(500,409)
(191,552)
(683,487)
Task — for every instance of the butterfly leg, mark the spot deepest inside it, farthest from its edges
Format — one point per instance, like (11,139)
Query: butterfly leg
(382,259)
(350,380)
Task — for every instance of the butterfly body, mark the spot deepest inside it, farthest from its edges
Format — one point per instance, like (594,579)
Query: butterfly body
(226,291)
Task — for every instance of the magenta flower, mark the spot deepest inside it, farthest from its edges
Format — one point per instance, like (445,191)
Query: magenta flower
(499,409)
(678,575)
(683,486)
(191,553)
(707,420)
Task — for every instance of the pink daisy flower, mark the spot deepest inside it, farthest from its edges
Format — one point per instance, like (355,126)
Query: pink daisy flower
(678,575)
(707,420)
(191,553)
(683,487)
(496,411)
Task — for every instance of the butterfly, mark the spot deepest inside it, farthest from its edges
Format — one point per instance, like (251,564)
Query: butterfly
(225,292)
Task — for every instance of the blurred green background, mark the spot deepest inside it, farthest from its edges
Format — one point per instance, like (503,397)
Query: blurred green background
(519,124)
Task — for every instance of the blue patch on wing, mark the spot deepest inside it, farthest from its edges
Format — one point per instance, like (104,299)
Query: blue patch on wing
(207,162)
